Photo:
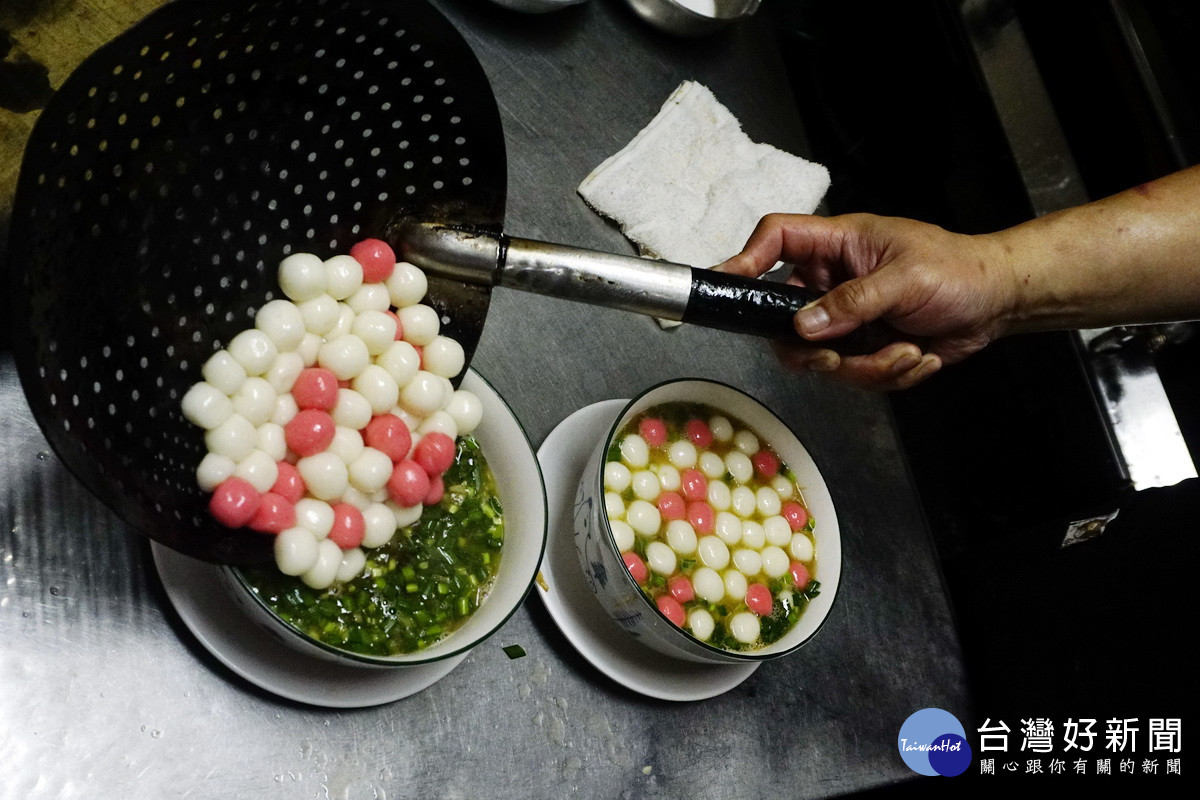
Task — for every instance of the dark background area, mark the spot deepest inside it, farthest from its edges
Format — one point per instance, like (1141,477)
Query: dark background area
(1009,446)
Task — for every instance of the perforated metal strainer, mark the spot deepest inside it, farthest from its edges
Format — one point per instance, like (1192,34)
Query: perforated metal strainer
(174,170)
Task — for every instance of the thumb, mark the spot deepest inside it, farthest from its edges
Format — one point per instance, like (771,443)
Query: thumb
(842,309)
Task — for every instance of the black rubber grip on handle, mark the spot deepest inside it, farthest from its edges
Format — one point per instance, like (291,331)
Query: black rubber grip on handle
(766,308)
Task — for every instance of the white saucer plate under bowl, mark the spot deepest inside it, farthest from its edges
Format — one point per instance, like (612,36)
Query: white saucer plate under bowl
(196,590)
(574,608)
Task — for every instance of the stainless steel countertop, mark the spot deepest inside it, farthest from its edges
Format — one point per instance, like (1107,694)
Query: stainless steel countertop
(104,693)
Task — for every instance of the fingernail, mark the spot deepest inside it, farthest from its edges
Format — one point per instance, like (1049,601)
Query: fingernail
(826,362)
(929,365)
(812,319)
(904,363)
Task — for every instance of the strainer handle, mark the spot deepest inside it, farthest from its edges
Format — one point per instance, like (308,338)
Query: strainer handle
(644,286)
(670,291)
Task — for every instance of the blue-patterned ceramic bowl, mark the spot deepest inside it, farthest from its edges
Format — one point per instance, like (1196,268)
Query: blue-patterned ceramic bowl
(615,588)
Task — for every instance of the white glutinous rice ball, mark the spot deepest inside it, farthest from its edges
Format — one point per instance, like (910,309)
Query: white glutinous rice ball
(308,348)
(405,515)
(353,561)
(777,530)
(424,394)
(768,502)
(370,297)
(444,356)
(681,536)
(746,442)
(343,276)
(224,372)
(379,525)
(345,356)
(645,484)
(271,440)
(320,314)
(407,285)
(371,470)
(708,585)
(254,350)
(302,277)
(783,487)
(356,498)
(668,477)
(614,506)
(441,422)
(744,502)
(401,360)
(712,465)
(775,561)
(682,454)
(285,409)
(255,401)
(634,451)
(351,410)
(345,322)
(744,627)
(719,496)
(713,552)
(206,405)
(728,528)
(643,517)
(376,329)
(721,427)
(378,386)
(283,372)
(419,324)
(233,438)
(623,535)
(213,470)
(617,476)
(347,444)
(801,547)
(323,573)
(282,321)
(408,419)
(466,409)
(735,584)
(295,551)
(259,470)
(748,562)
(700,623)
(739,466)
(753,534)
(660,558)
(315,516)
(325,475)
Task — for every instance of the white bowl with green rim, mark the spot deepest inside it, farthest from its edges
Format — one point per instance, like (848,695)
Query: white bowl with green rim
(601,559)
(522,494)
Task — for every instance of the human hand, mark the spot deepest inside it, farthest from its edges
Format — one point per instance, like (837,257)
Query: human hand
(947,295)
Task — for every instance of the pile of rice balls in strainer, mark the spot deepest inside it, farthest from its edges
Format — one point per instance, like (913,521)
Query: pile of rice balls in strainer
(329,424)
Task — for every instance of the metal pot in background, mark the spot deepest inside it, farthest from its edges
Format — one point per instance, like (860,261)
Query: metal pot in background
(693,17)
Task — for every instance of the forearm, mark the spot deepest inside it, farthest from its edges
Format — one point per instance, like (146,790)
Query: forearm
(1131,258)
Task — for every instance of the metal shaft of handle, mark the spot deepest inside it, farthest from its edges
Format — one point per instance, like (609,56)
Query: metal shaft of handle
(655,288)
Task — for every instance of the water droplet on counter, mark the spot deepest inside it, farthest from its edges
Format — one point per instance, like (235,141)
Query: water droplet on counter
(54,590)
(42,455)
(157,734)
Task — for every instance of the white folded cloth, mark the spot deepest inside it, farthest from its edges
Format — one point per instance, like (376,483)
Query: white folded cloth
(691,185)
